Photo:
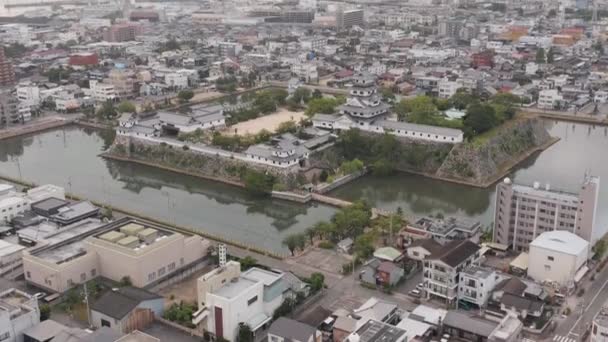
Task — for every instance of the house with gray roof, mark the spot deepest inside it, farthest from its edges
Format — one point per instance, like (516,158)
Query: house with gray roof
(284,153)
(288,330)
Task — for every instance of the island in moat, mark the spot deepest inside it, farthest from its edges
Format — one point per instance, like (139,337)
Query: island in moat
(298,140)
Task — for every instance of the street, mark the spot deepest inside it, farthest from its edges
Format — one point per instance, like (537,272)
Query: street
(589,305)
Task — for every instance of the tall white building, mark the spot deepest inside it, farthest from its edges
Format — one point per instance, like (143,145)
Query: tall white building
(227,297)
(476,284)
(11,203)
(18,312)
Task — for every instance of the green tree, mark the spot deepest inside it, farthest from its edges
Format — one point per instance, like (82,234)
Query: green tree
(480,118)
(364,246)
(245,334)
(107,111)
(258,183)
(45,312)
(324,105)
(247,263)
(279,96)
(387,94)
(317,281)
(300,95)
(599,249)
(292,242)
(185,95)
(311,232)
(316,94)
(126,107)
(540,56)
(287,127)
(462,99)
(265,102)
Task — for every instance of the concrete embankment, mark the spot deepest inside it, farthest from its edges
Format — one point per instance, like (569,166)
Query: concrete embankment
(34,127)
(567,116)
(187,230)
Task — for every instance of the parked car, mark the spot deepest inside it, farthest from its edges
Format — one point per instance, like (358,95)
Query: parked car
(420,287)
(415,293)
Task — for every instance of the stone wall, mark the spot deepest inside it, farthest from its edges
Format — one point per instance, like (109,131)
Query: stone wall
(209,166)
(485,161)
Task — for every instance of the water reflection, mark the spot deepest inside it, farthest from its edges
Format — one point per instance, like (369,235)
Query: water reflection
(581,148)
(69,157)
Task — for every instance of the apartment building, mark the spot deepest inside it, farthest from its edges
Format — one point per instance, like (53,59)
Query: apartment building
(102,92)
(9,111)
(522,212)
(145,252)
(122,32)
(448,88)
(7,73)
(11,203)
(227,297)
(29,95)
(476,285)
(10,258)
(442,269)
(123,82)
(18,312)
(349,18)
(549,99)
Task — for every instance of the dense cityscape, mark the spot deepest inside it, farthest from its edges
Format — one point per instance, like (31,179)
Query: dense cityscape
(303,170)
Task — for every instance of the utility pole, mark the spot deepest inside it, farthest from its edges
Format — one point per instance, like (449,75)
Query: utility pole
(86,300)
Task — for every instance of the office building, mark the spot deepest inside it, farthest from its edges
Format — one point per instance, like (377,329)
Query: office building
(522,212)
(7,73)
(349,18)
(18,312)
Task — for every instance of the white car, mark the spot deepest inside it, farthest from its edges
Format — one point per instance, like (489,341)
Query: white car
(40,295)
(420,286)
(415,293)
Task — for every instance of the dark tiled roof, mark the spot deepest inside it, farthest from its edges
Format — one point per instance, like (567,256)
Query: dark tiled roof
(118,304)
(521,303)
(428,244)
(455,252)
(512,285)
(292,330)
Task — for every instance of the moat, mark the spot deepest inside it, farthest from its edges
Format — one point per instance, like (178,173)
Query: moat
(69,157)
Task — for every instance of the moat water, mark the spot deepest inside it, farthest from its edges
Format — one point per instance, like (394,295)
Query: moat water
(69,157)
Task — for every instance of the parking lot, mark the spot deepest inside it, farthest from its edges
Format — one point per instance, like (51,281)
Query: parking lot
(326,260)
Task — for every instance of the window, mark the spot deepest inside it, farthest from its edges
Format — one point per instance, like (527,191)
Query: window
(83,277)
(252,300)
(547,268)
(105,323)
(93,273)
(28,274)
(171,266)
(161,271)
(550,258)
(181,261)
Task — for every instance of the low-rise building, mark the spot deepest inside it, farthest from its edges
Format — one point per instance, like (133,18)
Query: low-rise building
(475,328)
(444,231)
(476,285)
(287,330)
(18,313)
(227,297)
(10,258)
(599,330)
(144,252)
(549,99)
(558,256)
(126,309)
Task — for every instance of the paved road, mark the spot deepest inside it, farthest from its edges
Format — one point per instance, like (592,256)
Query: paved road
(596,293)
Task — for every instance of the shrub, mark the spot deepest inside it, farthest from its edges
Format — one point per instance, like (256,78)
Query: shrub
(327,245)
(185,148)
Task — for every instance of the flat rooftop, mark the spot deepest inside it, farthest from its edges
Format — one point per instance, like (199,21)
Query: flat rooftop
(601,318)
(266,277)
(132,230)
(7,248)
(60,249)
(235,287)
(373,331)
(561,196)
(15,302)
(479,272)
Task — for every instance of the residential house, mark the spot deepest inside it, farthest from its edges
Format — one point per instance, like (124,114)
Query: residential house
(126,309)
(476,285)
(444,231)
(420,249)
(288,330)
(465,326)
(381,273)
(227,298)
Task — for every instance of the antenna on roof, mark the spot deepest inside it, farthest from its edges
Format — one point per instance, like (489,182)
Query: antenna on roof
(221,251)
